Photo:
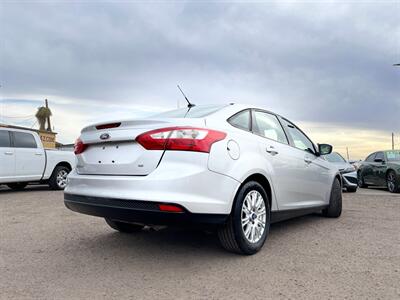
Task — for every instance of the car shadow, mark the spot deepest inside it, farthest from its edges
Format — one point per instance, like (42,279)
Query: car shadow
(30,188)
(177,242)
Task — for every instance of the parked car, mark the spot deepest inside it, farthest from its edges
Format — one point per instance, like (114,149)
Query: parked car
(23,160)
(348,172)
(233,166)
(381,168)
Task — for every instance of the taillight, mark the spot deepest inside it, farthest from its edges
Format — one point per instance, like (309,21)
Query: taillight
(79,147)
(180,138)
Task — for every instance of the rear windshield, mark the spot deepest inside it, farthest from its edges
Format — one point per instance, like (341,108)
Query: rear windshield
(200,111)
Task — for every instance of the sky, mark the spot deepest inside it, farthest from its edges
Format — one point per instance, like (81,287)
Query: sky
(327,66)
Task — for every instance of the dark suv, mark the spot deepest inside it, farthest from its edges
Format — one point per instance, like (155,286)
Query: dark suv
(381,168)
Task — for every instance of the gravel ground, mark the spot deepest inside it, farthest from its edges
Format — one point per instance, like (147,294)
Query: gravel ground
(49,252)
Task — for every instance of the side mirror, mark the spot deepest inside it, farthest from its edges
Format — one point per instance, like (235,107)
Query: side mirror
(324,149)
(379,160)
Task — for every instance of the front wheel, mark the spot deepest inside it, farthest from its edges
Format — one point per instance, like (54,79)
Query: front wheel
(334,209)
(361,182)
(124,227)
(247,227)
(352,189)
(392,182)
(17,186)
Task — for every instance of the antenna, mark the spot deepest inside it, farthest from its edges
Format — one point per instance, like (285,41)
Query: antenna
(190,105)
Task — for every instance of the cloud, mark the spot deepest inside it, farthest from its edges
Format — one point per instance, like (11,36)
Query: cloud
(322,63)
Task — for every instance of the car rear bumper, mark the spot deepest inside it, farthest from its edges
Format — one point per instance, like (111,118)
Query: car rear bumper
(134,211)
(181,178)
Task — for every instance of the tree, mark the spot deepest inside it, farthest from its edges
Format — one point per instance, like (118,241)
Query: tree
(42,115)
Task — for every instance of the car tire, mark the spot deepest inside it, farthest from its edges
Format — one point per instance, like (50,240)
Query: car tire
(392,182)
(124,227)
(361,182)
(58,179)
(334,209)
(351,189)
(17,186)
(248,238)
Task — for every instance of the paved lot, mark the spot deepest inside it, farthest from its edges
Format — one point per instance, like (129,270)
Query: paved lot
(49,252)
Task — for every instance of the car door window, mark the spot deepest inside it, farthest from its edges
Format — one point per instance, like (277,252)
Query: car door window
(380,155)
(5,139)
(24,140)
(267,125)
(241,120)
(370,157)
(299,139)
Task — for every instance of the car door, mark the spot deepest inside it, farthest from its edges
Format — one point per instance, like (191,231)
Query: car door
(379,169)
(314,181)
(29,157)
(7,157)
(288,172)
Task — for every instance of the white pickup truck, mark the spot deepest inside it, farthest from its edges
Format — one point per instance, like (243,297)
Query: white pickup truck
(23,160)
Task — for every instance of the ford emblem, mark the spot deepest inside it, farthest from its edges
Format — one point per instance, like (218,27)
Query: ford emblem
(105,136)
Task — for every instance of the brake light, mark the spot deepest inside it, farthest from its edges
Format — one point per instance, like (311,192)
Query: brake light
(170,208)
(180,138)
(107,126)
(79,147)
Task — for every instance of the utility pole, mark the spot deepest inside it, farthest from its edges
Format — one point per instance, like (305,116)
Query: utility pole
(347,151)
(392,140)
(48,118)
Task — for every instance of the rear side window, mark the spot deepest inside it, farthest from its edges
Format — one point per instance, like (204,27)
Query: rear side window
(24,140)
(241,120)
(5,139)
(267,125)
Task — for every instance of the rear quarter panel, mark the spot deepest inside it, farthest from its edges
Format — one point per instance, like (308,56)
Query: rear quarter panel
(55,157)
(249,162)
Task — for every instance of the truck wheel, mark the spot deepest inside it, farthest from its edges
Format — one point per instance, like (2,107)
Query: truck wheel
(248,225)
(17,186)
(58,179)
(124,227)
(334,209)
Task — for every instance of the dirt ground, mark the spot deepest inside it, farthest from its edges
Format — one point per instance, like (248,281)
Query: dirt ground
(49,252)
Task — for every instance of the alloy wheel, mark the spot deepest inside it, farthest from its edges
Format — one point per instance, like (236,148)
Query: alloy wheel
(253,216)
(62,179)
(391,182)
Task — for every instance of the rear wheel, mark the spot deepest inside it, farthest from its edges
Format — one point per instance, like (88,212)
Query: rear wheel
(17,186)
(392,182)
(334,208)
(248,225)
(124,227)
(58,179)
(361,182)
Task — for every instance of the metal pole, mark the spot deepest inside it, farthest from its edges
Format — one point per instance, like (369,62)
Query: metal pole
(347,150)
(392,140)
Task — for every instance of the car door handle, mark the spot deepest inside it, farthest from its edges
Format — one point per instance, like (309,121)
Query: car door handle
(39,154)
(271,150)
(8,153)
(308,160)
